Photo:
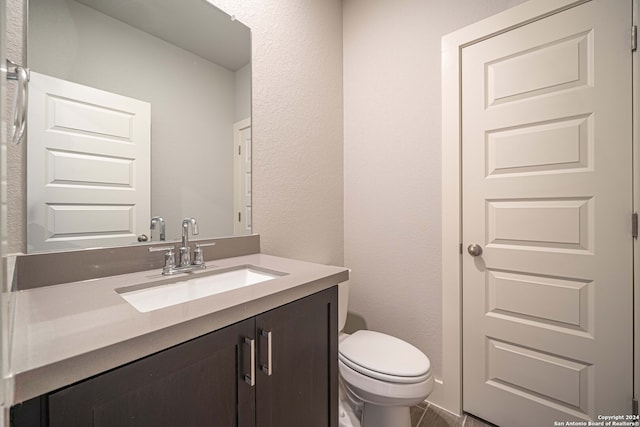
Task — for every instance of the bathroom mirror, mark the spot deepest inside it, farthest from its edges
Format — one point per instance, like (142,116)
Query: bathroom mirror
(190,62)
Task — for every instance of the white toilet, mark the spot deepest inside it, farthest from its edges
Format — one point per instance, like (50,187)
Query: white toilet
(381,376)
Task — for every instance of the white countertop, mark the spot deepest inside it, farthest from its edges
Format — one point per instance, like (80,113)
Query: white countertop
(65,333)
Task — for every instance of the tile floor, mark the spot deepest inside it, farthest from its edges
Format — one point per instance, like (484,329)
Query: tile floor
(426,415)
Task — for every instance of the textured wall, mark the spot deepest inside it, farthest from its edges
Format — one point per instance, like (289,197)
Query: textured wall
(296,125)
(16,155)
(392,160)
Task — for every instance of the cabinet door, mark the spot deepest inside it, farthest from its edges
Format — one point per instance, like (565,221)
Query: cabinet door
(303,386)
(198,383)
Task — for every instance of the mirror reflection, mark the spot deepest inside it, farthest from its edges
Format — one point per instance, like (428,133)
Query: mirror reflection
(138,110)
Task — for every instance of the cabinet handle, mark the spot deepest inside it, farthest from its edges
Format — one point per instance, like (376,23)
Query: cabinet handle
(251,378)
(267,368)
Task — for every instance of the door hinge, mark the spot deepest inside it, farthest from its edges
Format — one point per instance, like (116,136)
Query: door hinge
(460,248)
(634,406)
(634,38)
(634,225)
(239,150)
(239,216)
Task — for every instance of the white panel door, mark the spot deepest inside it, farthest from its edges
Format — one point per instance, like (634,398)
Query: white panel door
(88,157)
(547,174)
(242,177)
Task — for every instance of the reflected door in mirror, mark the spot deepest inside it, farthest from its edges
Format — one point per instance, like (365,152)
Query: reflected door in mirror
(89,162)
(242,176)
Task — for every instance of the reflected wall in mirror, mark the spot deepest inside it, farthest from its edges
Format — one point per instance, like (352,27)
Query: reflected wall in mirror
(190,63)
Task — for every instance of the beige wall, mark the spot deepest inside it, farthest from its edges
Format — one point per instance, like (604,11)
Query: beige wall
(296,125)
(392,160)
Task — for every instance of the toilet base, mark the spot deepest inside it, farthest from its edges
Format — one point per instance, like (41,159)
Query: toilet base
(350,411)
(385,416)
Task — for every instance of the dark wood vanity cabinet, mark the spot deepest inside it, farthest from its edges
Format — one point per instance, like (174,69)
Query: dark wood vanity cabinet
(208,381)
(302,389)
(186,385)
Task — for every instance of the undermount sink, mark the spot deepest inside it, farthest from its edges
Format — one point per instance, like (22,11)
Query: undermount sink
(193,286)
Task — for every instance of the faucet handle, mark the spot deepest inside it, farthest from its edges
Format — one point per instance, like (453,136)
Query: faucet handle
(169,258)
(161,248)
(204,245)
(198,256)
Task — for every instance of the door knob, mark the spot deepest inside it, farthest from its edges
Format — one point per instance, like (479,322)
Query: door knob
(474,249)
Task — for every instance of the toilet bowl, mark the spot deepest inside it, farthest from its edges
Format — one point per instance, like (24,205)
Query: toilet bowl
(381,376)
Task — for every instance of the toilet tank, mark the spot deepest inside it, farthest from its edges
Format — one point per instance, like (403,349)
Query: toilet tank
(343,304)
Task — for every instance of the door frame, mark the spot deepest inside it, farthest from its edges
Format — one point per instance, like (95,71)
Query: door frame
(448,391)
(635,64)
(4,312)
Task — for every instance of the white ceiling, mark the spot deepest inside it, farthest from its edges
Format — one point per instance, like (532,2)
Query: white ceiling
(193,25)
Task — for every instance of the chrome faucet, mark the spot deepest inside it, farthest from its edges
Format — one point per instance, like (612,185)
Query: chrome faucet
(158,220)
(184,265)
(185,251)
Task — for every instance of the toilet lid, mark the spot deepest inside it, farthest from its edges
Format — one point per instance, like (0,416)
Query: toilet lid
(384,357)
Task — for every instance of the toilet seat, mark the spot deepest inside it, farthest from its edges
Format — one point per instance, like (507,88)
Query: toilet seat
(380,392)
(384,357)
